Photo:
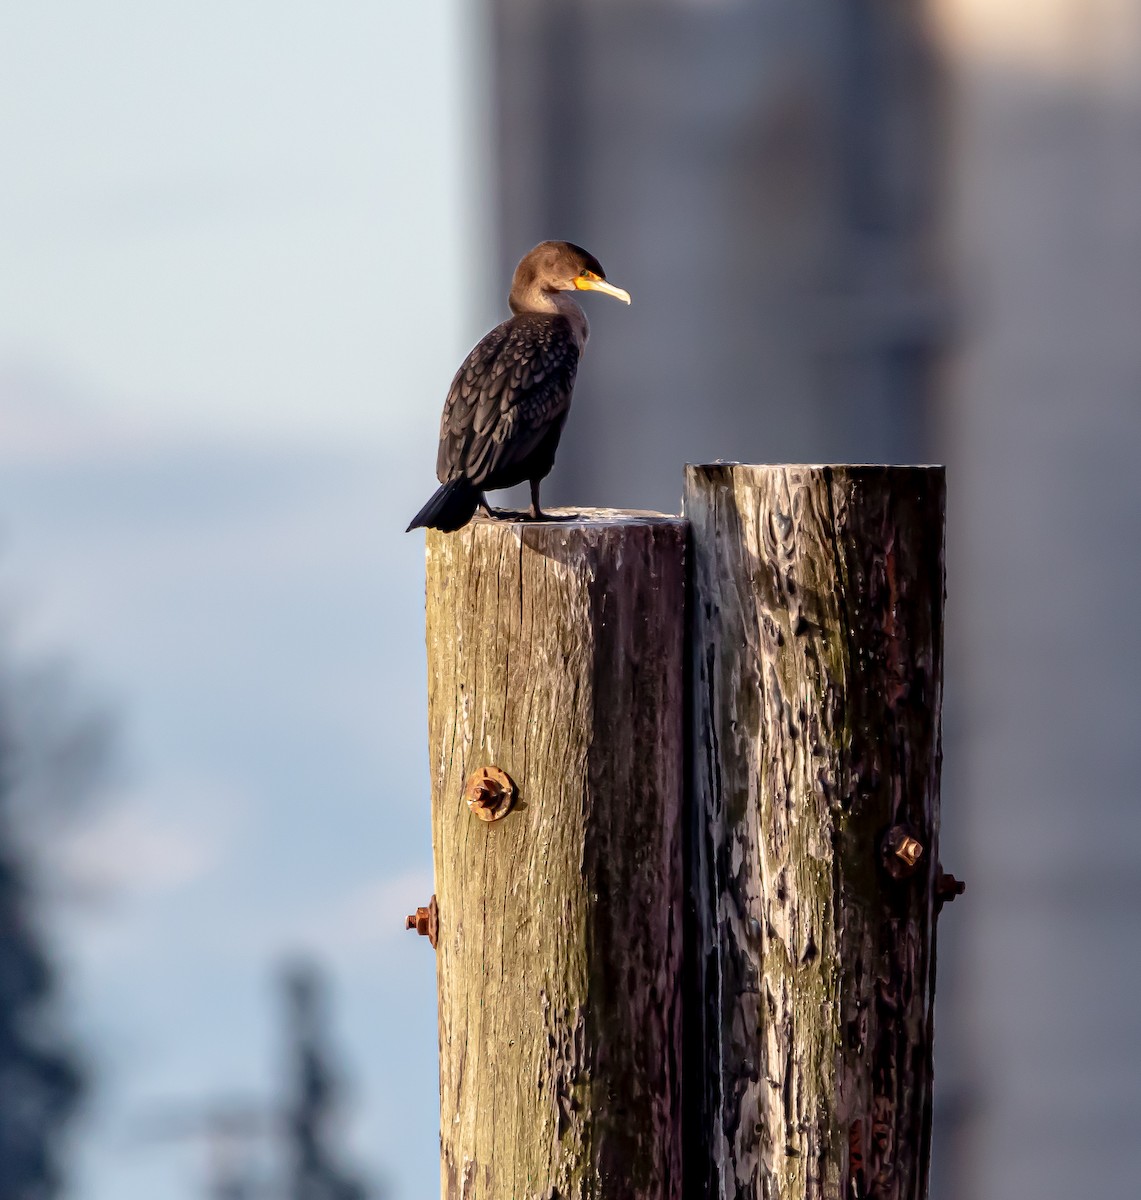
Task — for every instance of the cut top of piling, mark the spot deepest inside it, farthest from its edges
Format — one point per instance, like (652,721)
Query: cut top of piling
(569,518)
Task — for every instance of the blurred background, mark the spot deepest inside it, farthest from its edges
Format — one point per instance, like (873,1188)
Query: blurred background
(242,251)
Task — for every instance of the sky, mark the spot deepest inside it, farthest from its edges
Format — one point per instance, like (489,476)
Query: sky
(241,250)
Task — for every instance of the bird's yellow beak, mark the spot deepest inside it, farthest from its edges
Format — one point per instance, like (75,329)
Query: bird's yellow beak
(589,282)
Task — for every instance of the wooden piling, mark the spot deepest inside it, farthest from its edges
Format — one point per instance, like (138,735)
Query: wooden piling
(816,666)
(555,654)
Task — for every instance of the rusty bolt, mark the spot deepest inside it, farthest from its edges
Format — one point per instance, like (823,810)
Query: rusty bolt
(910,850)
(489,793)
(426,921)
(902,851)
(947,887)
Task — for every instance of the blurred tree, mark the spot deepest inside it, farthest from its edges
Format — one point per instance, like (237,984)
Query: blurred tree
(40,1081)
(231,1130)
(312,1108)
(53,752)
(237,1131)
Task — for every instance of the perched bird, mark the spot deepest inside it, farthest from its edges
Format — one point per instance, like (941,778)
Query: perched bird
(507,404)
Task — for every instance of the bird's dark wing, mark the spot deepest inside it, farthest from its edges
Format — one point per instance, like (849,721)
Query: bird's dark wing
(511,391)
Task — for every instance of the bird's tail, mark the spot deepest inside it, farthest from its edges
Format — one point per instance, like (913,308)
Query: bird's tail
(451,506)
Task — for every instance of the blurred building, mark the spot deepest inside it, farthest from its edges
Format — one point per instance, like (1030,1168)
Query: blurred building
(1041,430)
(900,232)
(762,178)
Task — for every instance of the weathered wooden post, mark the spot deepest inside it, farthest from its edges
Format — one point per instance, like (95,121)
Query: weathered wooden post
(816,633)
(555,655)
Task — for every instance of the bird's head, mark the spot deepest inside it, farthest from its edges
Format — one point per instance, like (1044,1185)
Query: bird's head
(560,267)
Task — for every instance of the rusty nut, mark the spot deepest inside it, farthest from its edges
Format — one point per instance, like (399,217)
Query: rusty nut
(902,851)
(489,793)
(947,887)
(426,921)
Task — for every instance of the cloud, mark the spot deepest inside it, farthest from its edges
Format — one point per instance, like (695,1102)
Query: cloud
(45,419)
(135,849)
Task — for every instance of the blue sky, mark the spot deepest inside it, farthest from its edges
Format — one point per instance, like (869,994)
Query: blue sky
(240,249)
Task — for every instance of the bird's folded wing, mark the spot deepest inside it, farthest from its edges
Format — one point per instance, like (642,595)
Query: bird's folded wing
(506,397)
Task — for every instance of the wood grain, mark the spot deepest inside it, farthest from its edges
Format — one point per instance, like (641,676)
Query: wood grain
(555,652)
(816,668)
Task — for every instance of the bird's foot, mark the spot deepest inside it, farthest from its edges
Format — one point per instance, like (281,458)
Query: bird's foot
(487,513)
(530,515)
(538,514)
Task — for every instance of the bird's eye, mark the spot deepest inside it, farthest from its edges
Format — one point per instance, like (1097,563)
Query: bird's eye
(585,273)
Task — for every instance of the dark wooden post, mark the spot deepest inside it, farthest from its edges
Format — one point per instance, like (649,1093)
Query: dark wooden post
(555,655)
(817,646)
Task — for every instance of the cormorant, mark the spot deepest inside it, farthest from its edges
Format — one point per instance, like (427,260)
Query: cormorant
(507,404)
